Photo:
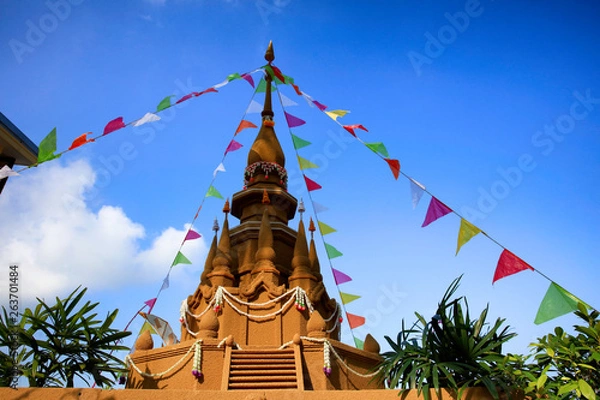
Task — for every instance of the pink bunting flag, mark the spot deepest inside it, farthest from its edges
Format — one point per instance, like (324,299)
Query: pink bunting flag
(293,121)
(351,128)
(394,166)
(233,146)
(436,210)
(113,125)
(191,235)
(340,277)
(150,303)
(509,264)
(320,106)
(248,78)
(311,185)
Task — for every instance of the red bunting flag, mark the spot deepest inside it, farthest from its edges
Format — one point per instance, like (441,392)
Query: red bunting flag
(186,97)
(436,210)
(209,90)
(340,277)
(297,89)
(191,235)
(248,78)
(355,320)
(293,121)
(113,125)
(80,141)
(243,125)
(150,303)
(320,106)
(509,264)
(233,146)
(351,128)
(311,185)
(278,74)
(394,166)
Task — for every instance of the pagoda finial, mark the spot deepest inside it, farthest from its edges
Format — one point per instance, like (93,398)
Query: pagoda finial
(311,227)
(226,207)
(301,208)
(270,54)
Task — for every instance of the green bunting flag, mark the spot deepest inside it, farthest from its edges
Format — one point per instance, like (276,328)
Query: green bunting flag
(180,259)
(555,303)
(359,343)
(348,298)
(47,147)
(305,164)
(379,148)
(326,229)
(164,103)
(212,192)
(262,87)
(233,76)
(332,252)
(299,142)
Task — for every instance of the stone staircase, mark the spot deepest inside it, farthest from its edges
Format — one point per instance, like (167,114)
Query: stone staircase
(263,369)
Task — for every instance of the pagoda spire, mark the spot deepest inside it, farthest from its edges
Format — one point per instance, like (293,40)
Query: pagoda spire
(300,261)
(312,253)
(222,261)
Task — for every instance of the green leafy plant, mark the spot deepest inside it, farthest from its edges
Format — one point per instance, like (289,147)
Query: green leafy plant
(63,341)
(451,351)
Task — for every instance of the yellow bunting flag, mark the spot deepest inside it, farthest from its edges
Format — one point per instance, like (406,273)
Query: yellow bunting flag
(326,229)
(348,298)
(335,114)
(466,232)
(305,164)
(147,327)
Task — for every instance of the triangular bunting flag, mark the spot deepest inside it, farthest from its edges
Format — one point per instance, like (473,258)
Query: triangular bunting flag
(319,208)
(436,210)
(150,303)
(297,89)
(180,259)
(213,192)
(335,114)
(320,106)
(80,141)
(465,233)
(394,166)
(220,168)
(311,185)
(293,121)
(6,171)
(416,192)
(332,252)
(233,146)
(233,76)
(254,107)
(147,327)
(348,298)
(299,142)
(262,87)
(326,229)
(243,125)
(351,128)
(305,164)
(148,117)
(278,74)
(165,284)
(113,125)
(340,277)
(248,78)
(355,320)
(47,147)
(379,148)
(359,344)
(509,264)
(555,303)
(192,235)
(209,90)
(287,102)
(186,97)
(164,103)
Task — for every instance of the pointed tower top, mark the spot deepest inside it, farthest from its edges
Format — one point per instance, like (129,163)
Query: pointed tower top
(270,55)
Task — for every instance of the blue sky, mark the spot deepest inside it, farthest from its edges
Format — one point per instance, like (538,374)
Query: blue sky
(487,115)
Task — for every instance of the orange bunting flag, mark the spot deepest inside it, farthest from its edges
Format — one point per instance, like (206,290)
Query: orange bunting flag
(509,264)
(243,125)
(297,89)
(113,125)
(351,128)
(355,320)
(465,233)
(394,166)
(311,185)
(80,141)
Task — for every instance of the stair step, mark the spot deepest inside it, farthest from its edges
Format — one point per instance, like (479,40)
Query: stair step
(255,372)
(263,379)
(263,385)
(262,362)
(263,367)
(266,355)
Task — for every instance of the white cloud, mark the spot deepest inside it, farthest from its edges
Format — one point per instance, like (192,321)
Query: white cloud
(60,243)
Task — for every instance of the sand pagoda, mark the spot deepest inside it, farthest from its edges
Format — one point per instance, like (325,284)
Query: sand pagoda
(261,317)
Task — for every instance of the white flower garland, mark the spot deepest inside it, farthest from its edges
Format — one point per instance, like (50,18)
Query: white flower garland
(129,362)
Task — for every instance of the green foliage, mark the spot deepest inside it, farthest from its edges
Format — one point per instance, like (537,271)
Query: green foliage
(450,351)
(568,365)
(61,342)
